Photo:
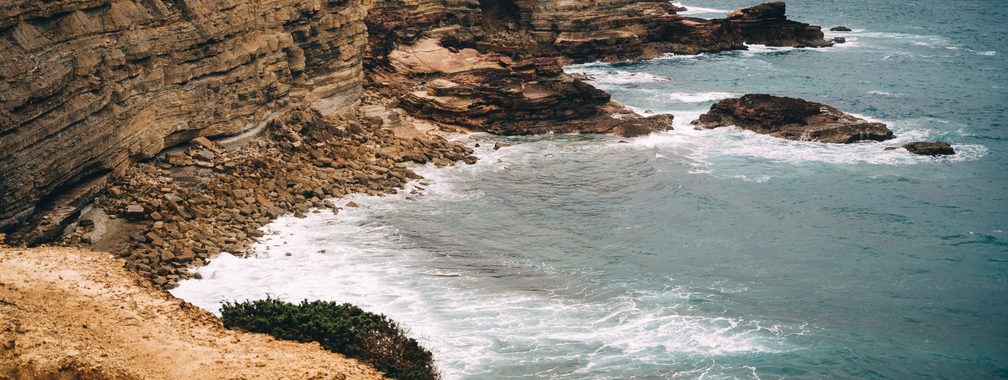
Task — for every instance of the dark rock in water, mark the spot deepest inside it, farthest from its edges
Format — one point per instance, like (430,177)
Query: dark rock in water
(767,24)
(644,126)
(930,148)
(839,40)
(840,29)
(498,146)
(793,119)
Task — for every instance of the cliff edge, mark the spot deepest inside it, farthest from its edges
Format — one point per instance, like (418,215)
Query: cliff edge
(69,313)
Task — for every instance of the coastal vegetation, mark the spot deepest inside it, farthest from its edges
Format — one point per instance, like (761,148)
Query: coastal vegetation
(341,328)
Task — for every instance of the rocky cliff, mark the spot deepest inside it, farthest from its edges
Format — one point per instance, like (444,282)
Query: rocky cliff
(88,86)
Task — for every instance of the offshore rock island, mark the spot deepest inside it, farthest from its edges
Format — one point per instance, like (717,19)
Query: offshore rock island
(169,132)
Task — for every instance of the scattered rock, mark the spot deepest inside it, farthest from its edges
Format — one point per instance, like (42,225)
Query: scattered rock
(498,146)
(840,29)
(205,143)
(930,148)
(793,119)
(134,212)
(204,155)
(85,223)
(839,40)
(352,204)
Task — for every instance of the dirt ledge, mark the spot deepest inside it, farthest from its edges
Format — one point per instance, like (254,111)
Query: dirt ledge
(76,314)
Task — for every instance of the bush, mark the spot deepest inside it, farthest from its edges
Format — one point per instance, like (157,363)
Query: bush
(346,329)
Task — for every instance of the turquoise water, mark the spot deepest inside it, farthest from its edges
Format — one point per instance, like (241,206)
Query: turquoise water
(703,254)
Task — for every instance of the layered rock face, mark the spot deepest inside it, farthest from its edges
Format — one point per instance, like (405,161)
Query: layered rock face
(582,31)
(793,119)
(493,93)
(89,86)
(766,24)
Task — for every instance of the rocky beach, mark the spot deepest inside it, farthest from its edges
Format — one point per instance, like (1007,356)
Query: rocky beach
(163,135)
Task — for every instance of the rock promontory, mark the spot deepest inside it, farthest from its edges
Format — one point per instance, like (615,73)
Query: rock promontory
(767,24)
(793,119)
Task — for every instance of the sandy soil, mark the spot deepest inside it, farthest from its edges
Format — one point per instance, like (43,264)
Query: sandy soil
(77,314)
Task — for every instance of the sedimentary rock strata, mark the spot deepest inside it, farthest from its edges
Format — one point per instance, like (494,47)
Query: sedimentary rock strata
(86,87)
(493,93)
(767,24)
(609,30)
(793,119)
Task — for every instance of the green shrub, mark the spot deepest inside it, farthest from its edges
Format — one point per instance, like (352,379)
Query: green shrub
(346,329)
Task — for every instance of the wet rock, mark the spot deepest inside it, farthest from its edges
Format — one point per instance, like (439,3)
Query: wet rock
(791,118)
(644,126)
(930,148)
(839,40)
(767,24)
(352,204)
(840,29)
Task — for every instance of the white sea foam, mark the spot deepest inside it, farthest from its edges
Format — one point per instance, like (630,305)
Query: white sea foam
(699,97)
(473,327)
(707,147)
(989,53)
(694,10)
(617,77)
(758,48)
(882,93)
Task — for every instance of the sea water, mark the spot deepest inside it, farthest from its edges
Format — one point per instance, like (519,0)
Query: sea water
(702,254)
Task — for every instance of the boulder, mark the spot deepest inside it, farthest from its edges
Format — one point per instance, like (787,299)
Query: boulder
(134,212)
(793,119)
(930,148)
(840,29)
(839,40)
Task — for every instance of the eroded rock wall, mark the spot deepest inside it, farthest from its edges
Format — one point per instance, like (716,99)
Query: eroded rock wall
(88,86)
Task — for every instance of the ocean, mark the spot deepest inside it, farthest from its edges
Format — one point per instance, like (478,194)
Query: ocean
(702,254)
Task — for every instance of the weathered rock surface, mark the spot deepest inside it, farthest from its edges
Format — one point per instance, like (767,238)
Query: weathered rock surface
(578,31)
(492,93)
(767,24)
(840,29)
(88,86)
(930,148)
(793,119)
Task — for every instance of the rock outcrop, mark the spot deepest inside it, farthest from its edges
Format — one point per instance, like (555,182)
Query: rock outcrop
(90,86)
(930,148)
(493,93)
(767,24)
(793,119)
(580,31)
